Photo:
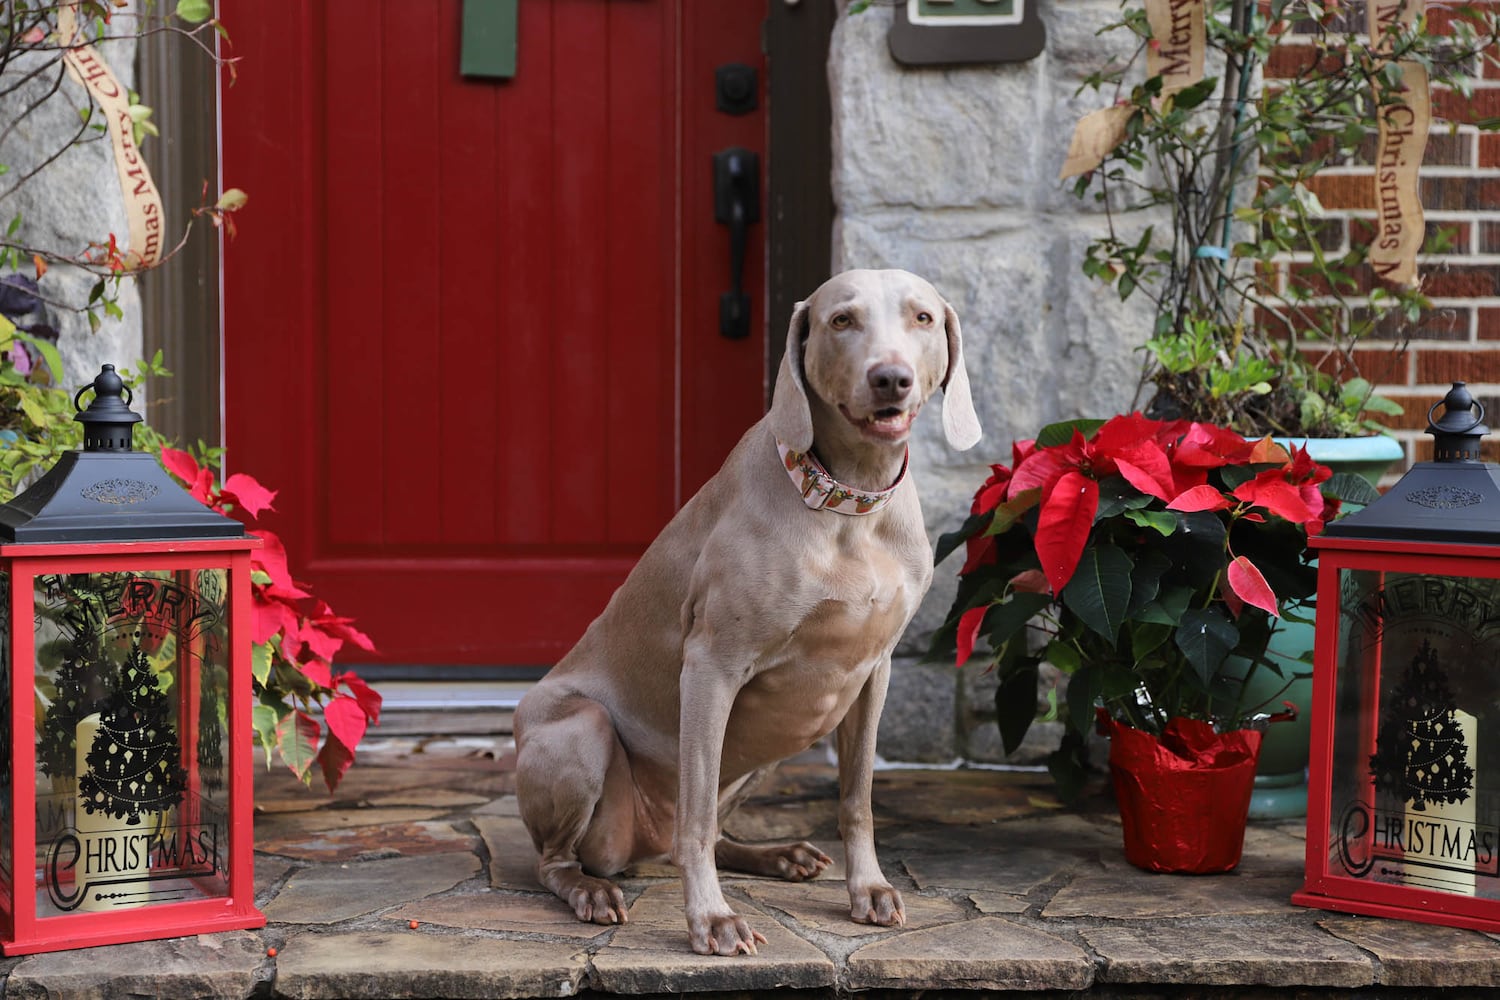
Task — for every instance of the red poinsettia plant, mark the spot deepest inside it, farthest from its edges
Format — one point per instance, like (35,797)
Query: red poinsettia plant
(295,637)
(1147,560)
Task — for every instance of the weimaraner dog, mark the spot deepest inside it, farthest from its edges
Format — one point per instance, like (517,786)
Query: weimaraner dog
(759,620)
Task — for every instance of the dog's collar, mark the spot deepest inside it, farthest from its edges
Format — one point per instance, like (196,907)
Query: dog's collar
(821,491)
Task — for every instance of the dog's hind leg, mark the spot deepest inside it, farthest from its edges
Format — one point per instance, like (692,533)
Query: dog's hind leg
(796,862)
(573,784)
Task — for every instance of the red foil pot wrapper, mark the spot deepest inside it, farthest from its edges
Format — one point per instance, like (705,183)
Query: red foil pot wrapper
(1183,797)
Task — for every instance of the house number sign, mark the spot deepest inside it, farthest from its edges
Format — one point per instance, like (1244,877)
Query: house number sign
(939,32)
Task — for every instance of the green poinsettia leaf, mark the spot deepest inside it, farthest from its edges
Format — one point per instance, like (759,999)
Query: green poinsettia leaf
(1068,765)
(1235,475)
(1099,593)
(297,740)
(1005,620)
(1117,495)
(262,658)
(1011,510)
(1164,522)
(1170,605)
(1015,704)
(1145,580)
(953,539)
(1063,655)
(1147,637)
(1349,488)
(264,718)
(1206,636)
(1061,433)
(1085,690)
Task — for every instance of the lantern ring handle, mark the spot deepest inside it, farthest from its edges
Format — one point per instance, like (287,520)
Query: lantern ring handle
(1478,419)
(129,396)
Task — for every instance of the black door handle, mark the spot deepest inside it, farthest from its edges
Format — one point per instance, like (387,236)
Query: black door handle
(737,205)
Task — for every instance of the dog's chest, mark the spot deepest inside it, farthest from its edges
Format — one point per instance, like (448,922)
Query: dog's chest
(807,682)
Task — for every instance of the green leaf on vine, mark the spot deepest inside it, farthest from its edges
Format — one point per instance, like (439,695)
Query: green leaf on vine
(195,11)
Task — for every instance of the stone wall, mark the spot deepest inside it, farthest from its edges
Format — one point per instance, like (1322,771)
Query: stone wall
(71,201)
(952,173)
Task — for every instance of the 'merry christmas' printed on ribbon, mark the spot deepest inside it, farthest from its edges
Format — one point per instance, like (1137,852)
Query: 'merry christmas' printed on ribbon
(1175,54)
(142,202)
(1402,138)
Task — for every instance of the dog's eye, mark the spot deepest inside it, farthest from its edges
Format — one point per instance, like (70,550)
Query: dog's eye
(840,321)
(924,318)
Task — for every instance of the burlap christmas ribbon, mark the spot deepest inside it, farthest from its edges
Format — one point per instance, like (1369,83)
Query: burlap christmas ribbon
(1402,138)
(143,209)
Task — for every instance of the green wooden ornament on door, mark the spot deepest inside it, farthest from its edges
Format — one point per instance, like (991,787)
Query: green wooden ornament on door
(488,39)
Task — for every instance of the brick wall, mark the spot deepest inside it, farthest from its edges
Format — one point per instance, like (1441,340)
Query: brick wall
(1459,337)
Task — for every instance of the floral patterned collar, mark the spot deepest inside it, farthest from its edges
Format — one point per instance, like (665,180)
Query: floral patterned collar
(821,491)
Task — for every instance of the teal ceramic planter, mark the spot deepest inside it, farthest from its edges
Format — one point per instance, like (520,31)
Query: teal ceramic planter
(1281,777)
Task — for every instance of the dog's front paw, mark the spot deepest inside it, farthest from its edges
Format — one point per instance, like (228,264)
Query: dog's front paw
(881,904)
(724,933)
(597,901)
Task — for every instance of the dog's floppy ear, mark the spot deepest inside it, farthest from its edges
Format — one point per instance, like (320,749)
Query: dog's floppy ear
(960,422)
(791,415)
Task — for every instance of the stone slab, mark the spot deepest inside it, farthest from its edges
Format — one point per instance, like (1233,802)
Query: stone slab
(959,797)
(1123,892)
(1205,954)
(289,825)
(986,953)
(418,964)
(326,894)
(405,839)
(528,913)
(794,819)
(1422,955)
(512,858)
(269,872)
(227,964)
(1273,850)
(1015,872)
(651,954)
(824,906)
(998,902)
(1087,836)
(440,798)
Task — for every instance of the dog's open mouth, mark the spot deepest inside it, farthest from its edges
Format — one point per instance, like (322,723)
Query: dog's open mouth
(890,423)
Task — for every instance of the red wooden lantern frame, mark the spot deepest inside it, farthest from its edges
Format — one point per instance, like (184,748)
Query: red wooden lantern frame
(1361,859)
(227,899)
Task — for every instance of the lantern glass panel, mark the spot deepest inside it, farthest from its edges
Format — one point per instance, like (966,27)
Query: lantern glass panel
(1415,793)
(131,687)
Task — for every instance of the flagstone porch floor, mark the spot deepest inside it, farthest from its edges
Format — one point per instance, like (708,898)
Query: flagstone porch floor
(415,881)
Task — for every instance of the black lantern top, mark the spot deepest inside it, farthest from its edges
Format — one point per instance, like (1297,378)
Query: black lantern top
(1453,498)
(108,492)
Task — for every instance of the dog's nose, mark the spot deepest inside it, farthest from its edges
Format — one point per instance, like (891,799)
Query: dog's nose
(891,381)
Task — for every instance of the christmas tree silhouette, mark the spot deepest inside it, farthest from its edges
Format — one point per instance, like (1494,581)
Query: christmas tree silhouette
(1420,754)
(134,762)
(79,684)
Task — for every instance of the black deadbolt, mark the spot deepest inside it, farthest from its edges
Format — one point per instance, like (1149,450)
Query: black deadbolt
(735,88)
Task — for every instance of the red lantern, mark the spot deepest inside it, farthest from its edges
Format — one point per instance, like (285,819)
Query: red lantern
(125,801)
(1404,791)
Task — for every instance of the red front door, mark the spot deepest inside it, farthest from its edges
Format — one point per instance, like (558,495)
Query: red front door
(472,325)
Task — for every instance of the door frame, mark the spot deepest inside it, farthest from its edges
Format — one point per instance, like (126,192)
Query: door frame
(181,303)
